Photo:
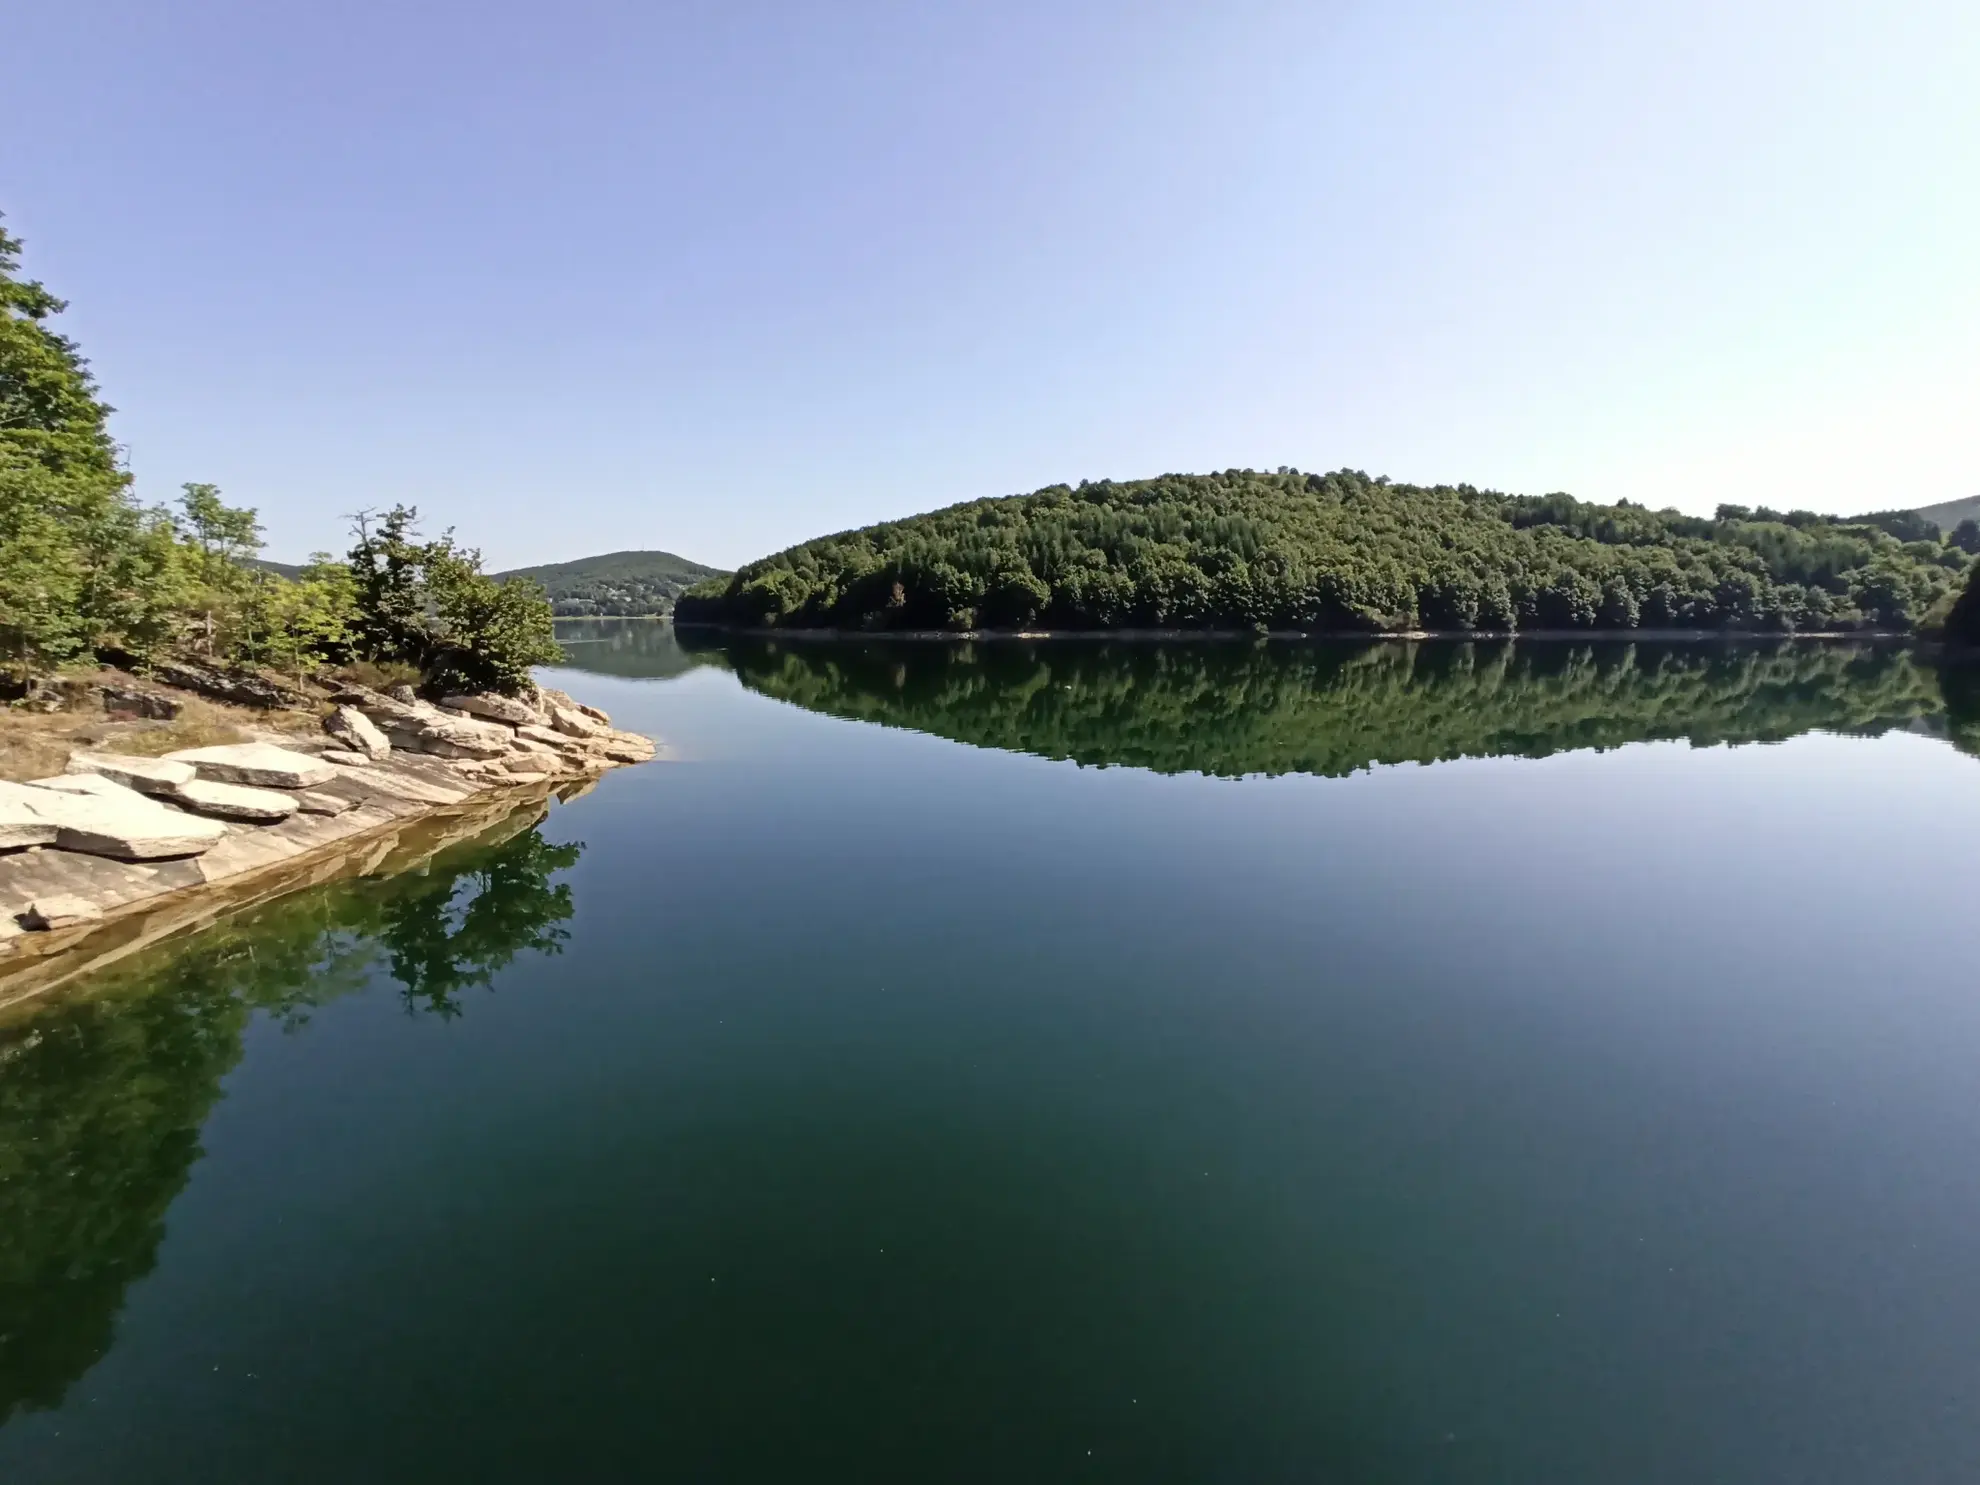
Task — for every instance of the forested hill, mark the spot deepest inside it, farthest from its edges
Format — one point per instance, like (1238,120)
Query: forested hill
(1336,552)
(617,583)
(1249,708)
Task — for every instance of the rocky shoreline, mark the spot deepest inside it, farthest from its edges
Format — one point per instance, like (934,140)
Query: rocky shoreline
(117,837)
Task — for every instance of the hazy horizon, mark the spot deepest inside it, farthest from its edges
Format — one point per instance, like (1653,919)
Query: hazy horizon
(713,280)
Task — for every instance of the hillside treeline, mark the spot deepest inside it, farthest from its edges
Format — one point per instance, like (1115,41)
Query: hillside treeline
(616,585)
(89,571)
(1339,552)
(1232,709)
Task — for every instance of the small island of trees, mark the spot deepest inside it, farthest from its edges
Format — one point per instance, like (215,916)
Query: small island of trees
(1345,553)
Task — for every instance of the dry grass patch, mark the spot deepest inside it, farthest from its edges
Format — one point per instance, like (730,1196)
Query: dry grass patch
(36,745)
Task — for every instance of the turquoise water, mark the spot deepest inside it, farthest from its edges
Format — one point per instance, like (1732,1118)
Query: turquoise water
(1127,1063)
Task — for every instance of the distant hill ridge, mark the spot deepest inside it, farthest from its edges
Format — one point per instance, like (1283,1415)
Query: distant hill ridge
(1949,513)
(622,583)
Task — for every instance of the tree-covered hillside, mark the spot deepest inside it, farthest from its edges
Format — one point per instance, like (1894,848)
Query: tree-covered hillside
(1336,552)
(618,583)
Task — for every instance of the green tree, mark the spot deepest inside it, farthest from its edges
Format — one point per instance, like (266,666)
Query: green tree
(429,604)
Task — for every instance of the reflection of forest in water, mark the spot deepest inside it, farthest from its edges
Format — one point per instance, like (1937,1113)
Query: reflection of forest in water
(102,1097)
(639,648)
(1330,709)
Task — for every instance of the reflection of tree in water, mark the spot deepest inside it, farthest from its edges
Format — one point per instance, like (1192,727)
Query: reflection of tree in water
(102,1098)
(1334,708)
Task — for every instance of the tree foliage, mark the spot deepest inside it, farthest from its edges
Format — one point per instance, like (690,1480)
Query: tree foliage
(428,603)
(84,568)
(1339,552)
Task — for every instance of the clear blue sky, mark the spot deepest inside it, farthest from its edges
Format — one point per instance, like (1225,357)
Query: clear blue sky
(717,277)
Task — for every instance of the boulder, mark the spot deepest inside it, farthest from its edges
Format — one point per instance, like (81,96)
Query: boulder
(574,723)
(236,802)
(59,910)
(565,699)
(135,701)
(495,708)
(450,737)
(261,764)
(315,802)
(146,775)
(241,687)
(403,694)
(131,828)
(357,732)
(344,759)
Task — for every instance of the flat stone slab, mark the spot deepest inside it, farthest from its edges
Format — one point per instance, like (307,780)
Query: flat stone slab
(499,708)
(260,764)
(146,775)
(85,783)
(235,801)
(316,802)
(345,758)
(132,829)
(21,825)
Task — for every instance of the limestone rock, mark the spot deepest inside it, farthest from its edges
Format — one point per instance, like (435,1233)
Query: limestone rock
(357,732)
(570,703)
(132,828)
(315,802)
(344,759)
(59,910)
(496,708)
(625,747)
(550,738)
(574,723)
(403,694)
(236,802)
(146,775)
(525,777)
(450,737)
(261,764)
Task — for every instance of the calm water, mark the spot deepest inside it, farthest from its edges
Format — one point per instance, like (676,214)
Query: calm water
(1585,1091)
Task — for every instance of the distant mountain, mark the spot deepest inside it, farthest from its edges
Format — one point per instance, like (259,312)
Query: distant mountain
(1949,513)
(289,570)
(627,583)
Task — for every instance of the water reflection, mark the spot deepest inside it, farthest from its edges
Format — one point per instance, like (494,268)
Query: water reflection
(625,647)
(102,1098)
(1331,709)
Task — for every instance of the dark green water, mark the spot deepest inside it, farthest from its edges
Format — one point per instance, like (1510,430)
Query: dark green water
(876,1094)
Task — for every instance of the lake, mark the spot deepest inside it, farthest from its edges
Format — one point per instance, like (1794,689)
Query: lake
(1062,1060)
